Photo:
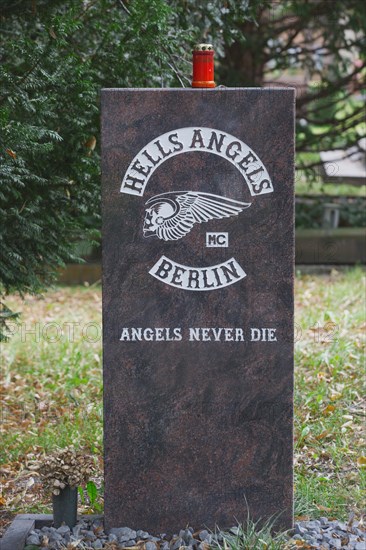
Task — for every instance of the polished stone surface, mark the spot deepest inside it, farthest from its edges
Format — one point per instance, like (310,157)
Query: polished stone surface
(198,422)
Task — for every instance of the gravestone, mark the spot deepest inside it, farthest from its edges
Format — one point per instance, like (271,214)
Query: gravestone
(198,253)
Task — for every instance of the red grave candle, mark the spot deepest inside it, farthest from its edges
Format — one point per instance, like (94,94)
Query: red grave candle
(203,66)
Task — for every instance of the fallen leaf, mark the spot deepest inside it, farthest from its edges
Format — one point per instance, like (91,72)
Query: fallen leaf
(322,435)
(29,483)
(335,396)
(361,461)
(323,508)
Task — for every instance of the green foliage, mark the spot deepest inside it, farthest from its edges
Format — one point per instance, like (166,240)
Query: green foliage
(310,212)
(253,535)
(55,58)
(94,496)
(6,315)
(47,194)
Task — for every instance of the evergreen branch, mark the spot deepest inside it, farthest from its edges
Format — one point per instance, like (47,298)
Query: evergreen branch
(174,68)
(124,7)
(23,78)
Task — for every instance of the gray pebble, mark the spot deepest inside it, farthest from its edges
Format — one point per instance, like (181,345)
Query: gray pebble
(33,539)
(203,534)
(54,536)
(313,525)
(125,538)
(175,544)
(124,533)
(142,534)
(89,535)
(186,536)
(63,529)
(318,533)
(299,530)
(76,530)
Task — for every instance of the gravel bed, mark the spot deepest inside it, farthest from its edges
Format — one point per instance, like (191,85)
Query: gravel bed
(321,533)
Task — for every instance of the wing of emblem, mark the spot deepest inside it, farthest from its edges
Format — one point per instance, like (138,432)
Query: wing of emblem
(170,216)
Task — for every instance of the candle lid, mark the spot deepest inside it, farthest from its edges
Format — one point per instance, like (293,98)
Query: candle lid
(203,48)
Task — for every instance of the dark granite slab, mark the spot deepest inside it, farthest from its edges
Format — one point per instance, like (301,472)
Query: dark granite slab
(198,422)
(16,534)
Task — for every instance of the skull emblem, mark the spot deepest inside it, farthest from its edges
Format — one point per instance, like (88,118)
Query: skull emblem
(155,216)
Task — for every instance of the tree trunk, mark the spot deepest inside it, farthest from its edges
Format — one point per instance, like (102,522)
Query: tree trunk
(243,64)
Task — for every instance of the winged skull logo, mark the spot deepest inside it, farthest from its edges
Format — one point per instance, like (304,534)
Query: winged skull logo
(171,216)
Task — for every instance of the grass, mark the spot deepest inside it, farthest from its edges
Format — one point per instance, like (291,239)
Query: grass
(52,386)
(329,398)
(253,536)
(52,392)
(303,187)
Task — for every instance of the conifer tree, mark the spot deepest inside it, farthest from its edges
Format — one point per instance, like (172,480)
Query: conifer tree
(55,57)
